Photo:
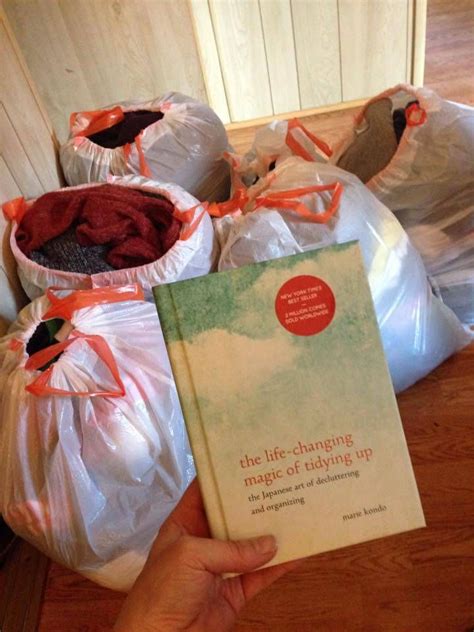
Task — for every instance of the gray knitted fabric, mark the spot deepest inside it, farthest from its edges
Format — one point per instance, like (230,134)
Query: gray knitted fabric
(64,253)
(373,148)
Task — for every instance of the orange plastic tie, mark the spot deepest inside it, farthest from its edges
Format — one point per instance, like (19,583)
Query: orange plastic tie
(292,193)
(79,299)
(41,387)
(144,168)
(127,148)
(415,115)
(297,148)
(15,344)
(188,218)
(188,232)
(236,202)
(14,210)
(285,200)
(97,120)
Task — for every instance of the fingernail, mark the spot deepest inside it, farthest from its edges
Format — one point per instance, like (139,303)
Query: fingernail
(265,544)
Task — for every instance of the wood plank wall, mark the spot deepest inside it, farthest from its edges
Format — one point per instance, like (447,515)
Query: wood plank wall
(98,52)
(28,160)
(374,46)
(27,144)
(285,55)
(246,58)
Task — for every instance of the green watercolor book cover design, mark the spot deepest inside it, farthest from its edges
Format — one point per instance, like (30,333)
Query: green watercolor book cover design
(288,402)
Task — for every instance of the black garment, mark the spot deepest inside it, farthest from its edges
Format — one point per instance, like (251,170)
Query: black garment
(64,253)
(127,130)
(400,120)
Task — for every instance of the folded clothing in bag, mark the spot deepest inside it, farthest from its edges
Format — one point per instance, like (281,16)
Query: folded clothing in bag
(301,206)
(132,221)
(93,449)
(427,180)
(136,227)
(173,138)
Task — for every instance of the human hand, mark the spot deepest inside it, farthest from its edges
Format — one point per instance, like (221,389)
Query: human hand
(181,587)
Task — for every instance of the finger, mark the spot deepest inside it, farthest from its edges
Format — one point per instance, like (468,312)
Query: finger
(187,518)
(255,582)
(240,556)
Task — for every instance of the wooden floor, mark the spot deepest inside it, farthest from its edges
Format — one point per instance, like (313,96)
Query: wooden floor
(449,65)
(422,581)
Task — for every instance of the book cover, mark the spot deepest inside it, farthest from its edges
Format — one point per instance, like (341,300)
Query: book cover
(288,403)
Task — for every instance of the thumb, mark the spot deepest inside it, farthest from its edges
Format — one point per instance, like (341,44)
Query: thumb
(235,556)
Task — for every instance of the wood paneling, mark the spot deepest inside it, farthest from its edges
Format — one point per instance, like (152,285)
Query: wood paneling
(374,43)
(28,164)
(316,33)
(94,52)
(40,26)
(8,187)
(16,159)
(280,51)
(171,47)
(26,144)
(417,12)
(239,36)
(247,58)
(209,55)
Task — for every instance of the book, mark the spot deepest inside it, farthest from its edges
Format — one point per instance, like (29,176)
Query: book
(288,403)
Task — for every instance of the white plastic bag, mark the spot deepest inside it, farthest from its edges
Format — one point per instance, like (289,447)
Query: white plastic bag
(193,254)
(12,297)
(184,147)
(429,184)
(272,144)
(301,206)
(90,471)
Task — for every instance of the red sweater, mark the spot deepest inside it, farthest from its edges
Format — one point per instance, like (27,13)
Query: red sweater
(138,228)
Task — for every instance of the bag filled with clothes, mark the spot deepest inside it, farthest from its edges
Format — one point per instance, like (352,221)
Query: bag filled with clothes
(414,151)
(272,144)
(301,206)
(173,138)
(131,230)
(93,449)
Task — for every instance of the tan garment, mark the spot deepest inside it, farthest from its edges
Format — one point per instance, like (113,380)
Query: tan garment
(375,145)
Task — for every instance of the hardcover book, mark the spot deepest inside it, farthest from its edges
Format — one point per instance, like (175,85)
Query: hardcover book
(288,403)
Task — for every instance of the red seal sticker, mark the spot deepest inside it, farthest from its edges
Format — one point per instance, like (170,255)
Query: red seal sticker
(305,305)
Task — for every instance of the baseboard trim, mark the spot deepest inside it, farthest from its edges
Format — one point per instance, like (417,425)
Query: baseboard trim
(324,109)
